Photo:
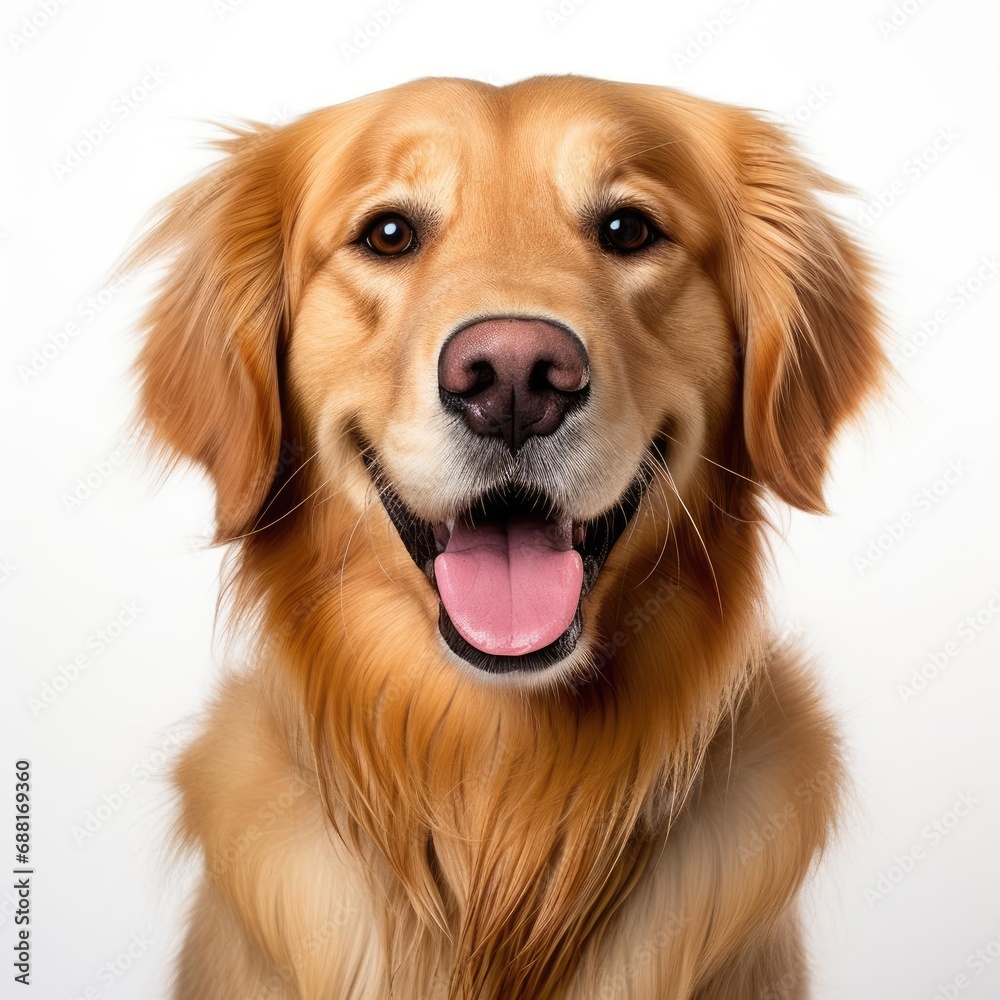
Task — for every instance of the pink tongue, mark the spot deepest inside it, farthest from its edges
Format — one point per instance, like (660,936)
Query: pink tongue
(508,588)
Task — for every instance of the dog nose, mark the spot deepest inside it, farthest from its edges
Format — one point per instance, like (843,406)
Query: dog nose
(513,378)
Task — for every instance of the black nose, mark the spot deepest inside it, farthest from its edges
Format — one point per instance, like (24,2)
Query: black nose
(514,378)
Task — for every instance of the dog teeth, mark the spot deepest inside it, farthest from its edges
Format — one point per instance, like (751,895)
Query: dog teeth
(562,531)
(579,532)
(442,533)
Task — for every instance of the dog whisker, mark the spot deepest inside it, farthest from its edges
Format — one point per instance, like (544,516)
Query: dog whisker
(664,471)
(667,534)
(718,465)
(343,570)
(279,519)
(285,483)
(371,541)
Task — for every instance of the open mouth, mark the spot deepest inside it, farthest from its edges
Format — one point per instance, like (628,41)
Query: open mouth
(510,570)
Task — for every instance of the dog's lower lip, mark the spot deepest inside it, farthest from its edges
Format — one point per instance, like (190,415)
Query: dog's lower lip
(593,539)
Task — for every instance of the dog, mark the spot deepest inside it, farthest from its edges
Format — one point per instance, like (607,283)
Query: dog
(497,387)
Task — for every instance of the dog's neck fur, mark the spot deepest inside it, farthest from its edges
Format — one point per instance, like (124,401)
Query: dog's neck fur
(502,829)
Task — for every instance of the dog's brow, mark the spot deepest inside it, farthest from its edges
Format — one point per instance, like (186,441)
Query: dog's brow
(413,205)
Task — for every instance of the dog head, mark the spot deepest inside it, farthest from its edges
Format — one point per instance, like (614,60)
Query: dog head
(515,346)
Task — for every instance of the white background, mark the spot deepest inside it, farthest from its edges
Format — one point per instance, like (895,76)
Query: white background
(885,82)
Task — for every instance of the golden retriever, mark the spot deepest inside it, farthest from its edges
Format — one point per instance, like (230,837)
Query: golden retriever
(493,385)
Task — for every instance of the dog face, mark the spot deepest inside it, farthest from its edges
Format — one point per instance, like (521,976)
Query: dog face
(518,330)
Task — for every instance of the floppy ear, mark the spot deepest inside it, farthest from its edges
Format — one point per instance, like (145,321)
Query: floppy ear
(801,295)
(207,372)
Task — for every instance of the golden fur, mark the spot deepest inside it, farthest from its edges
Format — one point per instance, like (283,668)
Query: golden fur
(374,819)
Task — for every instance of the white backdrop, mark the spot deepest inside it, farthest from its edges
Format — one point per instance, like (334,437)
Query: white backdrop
(107,596)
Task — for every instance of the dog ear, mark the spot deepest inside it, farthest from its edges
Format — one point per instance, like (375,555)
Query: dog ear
(800,291)
(207,371)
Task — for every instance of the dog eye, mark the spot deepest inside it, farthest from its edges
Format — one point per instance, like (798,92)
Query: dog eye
(390,236)
(626,231)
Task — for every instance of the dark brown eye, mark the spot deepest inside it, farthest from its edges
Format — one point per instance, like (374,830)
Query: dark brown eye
(626,231)
(390,235)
